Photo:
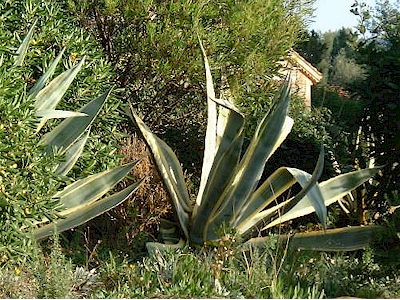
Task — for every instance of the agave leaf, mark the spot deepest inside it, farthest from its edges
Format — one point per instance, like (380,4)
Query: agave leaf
(233,126)
(219,177)
(210,147)
(270,133)
(332,190)
(247,226)
(169,232)
(281,180)
(337,187)
(154,248)
(23,48)
(227,104)
(340,239)
(224,122)
(86,213)
(58,114)
(171,172)
(91,188)
(231,123)
(69,130)
(72,154)
(272,188)
(50,96)
(229,145)
(46,76)
(312,190)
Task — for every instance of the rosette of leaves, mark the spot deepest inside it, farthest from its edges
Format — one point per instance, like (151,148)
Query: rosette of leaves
(230,194)
(53,154)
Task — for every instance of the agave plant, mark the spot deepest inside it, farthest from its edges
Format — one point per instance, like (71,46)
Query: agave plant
(230,193)
(82,200)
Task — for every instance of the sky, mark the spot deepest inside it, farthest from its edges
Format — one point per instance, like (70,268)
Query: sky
(334,14)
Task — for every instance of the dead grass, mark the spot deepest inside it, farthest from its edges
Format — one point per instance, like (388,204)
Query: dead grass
(151,202)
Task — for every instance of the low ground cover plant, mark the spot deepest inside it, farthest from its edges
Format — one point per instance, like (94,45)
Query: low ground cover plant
(225,272)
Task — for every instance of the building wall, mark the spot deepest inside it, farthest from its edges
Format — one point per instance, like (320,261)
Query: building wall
(301,80)
(301,86)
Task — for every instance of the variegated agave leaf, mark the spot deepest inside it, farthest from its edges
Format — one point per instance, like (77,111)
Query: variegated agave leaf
(58,114)
(332,190)
(171,172)
(72,154)
(228,139)
(89,189)
(270,133)
(70,130)
(46,76)
(224,123)
(280,181)
(86,213)
(48,97)
(23,48)
(81,195)
(340,239)
(210,146)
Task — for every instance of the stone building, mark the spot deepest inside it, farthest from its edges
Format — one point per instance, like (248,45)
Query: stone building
(304,75)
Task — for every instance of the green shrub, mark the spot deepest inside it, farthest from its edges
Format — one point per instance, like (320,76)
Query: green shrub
(153,45)
(49,274)
(56,30)
(27,175)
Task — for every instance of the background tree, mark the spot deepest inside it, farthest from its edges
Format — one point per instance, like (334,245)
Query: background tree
(312,47)
(380,52)
(361,89)
(333,53)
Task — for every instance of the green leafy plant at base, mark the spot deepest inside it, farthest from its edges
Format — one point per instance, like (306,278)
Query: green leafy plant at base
(77,202)
(229,193)
(195,273)
(186,273)
(198,273)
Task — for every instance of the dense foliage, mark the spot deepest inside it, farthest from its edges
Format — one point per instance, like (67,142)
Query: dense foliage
(27,180)
(154,47)
(334,53)
(381,94)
